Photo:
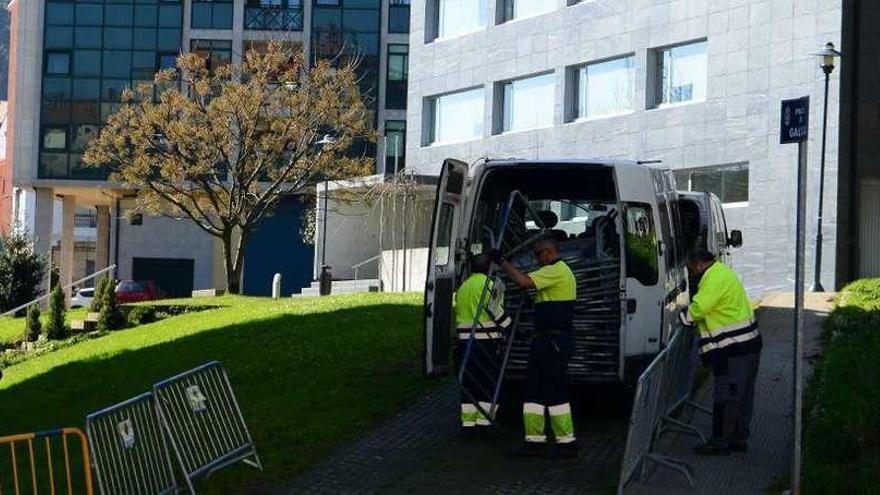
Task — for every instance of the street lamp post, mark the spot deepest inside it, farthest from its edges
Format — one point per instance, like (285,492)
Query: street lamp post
(325,278)
(828,55)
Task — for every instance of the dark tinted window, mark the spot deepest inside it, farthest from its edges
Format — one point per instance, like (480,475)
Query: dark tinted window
(398,16)
(58,63)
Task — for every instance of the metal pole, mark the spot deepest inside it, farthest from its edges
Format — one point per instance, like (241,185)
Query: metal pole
(817,275)
(324,229)
(800,245)
(394,230)
(405,197)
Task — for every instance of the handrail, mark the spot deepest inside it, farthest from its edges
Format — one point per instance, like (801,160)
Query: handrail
(357,266)
(46,296)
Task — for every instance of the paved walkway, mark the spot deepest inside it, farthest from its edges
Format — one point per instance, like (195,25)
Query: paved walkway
(421,451)
(765,467)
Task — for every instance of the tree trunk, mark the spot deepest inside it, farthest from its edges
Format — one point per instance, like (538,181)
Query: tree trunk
(233,258)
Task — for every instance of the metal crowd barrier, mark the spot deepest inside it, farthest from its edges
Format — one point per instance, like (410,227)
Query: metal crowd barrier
(129,449)
(196,413)
(663,392)
(31,449)
(200,413)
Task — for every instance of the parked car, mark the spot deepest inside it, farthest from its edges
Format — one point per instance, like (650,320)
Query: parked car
(129,291)
(82,298)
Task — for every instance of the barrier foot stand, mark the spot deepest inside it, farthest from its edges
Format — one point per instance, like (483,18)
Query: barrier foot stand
(676,426)
(676,465)
(698,407)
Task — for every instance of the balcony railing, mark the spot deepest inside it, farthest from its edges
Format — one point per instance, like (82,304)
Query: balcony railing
(273,19)
(85,221)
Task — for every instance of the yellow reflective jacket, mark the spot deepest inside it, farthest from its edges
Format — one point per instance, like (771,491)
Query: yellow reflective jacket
(723,314)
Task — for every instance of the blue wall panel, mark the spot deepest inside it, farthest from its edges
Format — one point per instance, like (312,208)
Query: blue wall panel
(277,247)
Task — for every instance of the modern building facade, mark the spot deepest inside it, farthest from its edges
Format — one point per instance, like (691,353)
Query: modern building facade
(70,62)
(694,84)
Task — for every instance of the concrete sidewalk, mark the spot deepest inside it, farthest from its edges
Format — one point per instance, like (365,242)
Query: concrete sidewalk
(765,467)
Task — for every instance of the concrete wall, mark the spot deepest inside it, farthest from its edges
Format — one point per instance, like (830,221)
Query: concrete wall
(162,237)
(399,278)
(758,52)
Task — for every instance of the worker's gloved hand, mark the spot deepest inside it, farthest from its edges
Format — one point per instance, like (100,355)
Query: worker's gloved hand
(684,318)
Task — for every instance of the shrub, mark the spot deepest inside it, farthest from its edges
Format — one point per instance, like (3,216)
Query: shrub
(140,315)
(842,431)
(56,326)
(100,287)
(22,270)
(110,316)
(32,324)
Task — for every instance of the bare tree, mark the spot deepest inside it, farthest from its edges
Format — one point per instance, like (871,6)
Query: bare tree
(223,145)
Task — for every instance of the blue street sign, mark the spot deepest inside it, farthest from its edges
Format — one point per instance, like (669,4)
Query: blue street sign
(794,123)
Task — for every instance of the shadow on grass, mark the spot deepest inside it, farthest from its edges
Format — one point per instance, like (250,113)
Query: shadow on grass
(306,383)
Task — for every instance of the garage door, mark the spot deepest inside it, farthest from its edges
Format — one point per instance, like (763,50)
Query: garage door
(173,275)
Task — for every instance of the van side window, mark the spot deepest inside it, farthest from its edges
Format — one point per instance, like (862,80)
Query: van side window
(666,230)
(641,244)
(444,235)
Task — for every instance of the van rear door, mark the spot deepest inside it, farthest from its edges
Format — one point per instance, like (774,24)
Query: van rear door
(441,271)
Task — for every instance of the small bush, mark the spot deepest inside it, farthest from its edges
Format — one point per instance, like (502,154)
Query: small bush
(110,316)
(56,326)
(100,287)
(842,432)
(32,324)
(140,315)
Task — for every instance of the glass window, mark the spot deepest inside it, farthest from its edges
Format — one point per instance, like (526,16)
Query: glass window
(111,90)
(53,165)
(729,182)
(457,116)
(58,63)
(444,235)
(117,37)
(118,15)
(460,16)
(398,16)
(86,89)
(641,244)
(167,60)
(520,9)
(169,39)
(211,14)
(56,88)
(682,73)
(86,63)
(145,15)
(360,21)
(396,81)
(143,65)
(117,64)
(144,39)
(89,14)
(59,37)
(395,145)
(217,52)
(169,16)
(83,112)
(88,37)
(55,138)
(606,88)
(528,103)
(59,14)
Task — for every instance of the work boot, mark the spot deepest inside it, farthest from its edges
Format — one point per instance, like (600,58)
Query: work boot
(528,449)
(564,450)
(713,447)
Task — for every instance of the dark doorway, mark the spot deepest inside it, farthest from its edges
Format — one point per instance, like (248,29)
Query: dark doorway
(174,276)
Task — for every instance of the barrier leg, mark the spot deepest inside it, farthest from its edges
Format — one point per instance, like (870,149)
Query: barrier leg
(672,425)
(676,465)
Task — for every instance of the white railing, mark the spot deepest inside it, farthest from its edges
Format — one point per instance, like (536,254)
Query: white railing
(357,266)
(111,268)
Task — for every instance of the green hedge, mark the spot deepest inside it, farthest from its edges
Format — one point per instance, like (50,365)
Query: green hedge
(843,400)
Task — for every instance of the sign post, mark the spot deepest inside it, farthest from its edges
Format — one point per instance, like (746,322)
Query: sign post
(794,128)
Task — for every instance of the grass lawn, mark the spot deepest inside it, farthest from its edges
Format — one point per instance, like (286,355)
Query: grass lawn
(12,329)
(843,400)
(310,374)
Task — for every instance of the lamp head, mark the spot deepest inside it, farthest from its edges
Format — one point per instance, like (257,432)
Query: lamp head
(828,54)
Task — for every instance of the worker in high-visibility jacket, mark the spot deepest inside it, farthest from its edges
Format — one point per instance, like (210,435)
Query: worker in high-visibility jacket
(730,343)
(477,385)
(546,386)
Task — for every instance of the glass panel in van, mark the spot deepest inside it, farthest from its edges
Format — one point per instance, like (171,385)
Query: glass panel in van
(444,235)
(641,244)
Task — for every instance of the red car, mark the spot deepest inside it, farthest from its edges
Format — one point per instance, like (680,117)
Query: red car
(129,291)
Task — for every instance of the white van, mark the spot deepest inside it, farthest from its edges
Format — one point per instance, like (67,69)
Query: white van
(618,227)
(704,225)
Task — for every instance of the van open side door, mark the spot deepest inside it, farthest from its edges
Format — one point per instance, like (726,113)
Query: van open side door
(441,271)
